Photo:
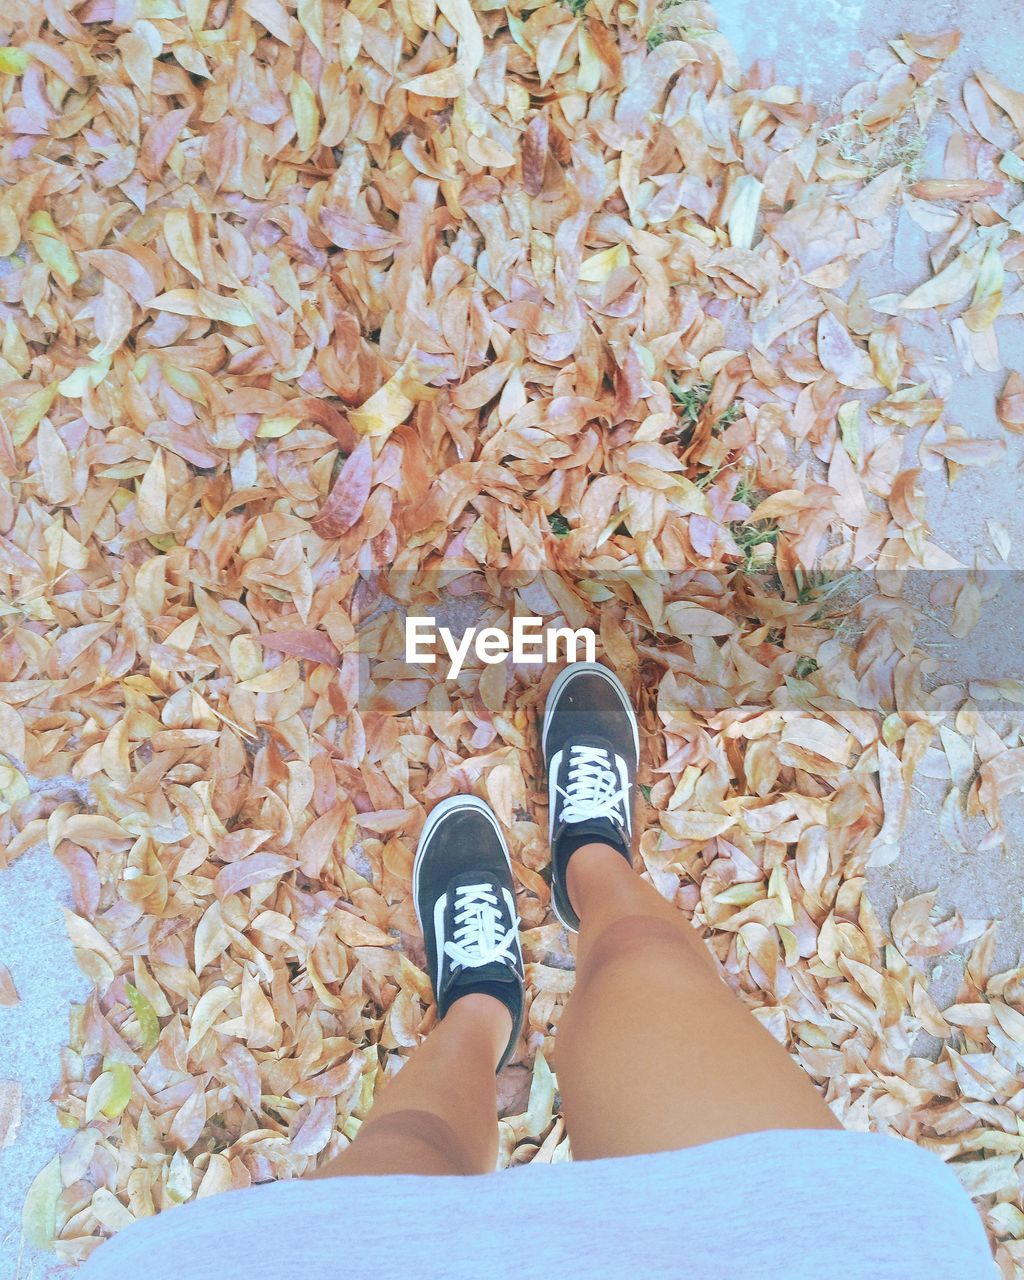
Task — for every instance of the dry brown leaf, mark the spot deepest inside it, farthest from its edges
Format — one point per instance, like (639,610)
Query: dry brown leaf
(954,189)
(8,992)
(1010,405)
(347,499)
(840,355)
(258,868)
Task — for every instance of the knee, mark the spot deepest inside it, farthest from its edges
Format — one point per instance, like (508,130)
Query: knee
(409,1129)
(663,946)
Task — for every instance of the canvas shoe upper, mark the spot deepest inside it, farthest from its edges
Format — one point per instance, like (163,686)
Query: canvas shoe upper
(465,903)
(591,745)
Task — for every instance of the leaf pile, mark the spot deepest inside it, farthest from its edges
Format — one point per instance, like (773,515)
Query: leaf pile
(306,303)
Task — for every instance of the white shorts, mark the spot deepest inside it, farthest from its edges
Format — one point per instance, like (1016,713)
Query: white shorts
(780,1205)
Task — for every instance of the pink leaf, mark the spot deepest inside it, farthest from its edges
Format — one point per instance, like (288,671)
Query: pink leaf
(85,880)
(315,1131)
(188,1123)
(350,233)
(312,645)
(160,137)
(348,497)
(258,867)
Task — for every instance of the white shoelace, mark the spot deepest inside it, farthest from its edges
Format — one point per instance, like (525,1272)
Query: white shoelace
(594,789)
(478,937)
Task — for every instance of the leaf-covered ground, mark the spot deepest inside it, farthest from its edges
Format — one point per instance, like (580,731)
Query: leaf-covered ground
(306,303)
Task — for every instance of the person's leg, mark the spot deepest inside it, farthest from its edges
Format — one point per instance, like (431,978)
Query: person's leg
(653,1051)
(439,1114)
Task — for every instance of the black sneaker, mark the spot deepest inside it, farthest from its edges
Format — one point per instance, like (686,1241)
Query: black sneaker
(591,746)
(465,902)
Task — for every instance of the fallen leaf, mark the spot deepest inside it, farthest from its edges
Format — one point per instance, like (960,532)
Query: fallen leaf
(10,1112)
(39,1215)
(8,992)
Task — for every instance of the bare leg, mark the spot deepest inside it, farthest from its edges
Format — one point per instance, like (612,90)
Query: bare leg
(438,1115)
(654,1052)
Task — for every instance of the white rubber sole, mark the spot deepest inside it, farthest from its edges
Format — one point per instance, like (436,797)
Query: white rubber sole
(572,928)
(437,815)
(578,668)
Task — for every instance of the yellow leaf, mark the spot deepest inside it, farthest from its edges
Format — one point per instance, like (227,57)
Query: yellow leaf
(184,634)
(849,428)
(780,505)
(13,61)
(178,1179)
(181,242)
(779,889)
(599,266)
(687,497)
(988,292)
(109,1211)
(79,380)
(589,76)
(389,405)
(13,785)
(10,231)
(305,112)
(39,1215)
(1013,166)
(110,1092)
(49,245)
(311,18)
(181,302)
(151,502)
(210,1005)
(149,1026)
(449,82)
(14,348)
(948,286)
(274,428)
(185,382)
(741,894)
(276,680)
(743,214)
(886,357)
(196,11)
(31,412)
(791,946)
